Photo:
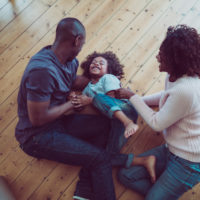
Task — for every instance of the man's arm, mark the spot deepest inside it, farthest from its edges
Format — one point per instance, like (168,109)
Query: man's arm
(40,113)
(80,82)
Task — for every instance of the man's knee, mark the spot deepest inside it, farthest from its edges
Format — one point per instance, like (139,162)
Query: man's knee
(122,176)
(101,159)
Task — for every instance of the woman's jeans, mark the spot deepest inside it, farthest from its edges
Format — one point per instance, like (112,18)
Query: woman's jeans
(82,140)
(175,176)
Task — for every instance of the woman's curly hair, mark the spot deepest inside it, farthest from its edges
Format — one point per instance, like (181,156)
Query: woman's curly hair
(180,51)
(114,66)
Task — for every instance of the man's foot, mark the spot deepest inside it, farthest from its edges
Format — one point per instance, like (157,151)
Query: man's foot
(130,129)
(149,163)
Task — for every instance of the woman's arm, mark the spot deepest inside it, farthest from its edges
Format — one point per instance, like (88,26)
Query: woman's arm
(153,99)
(175,107)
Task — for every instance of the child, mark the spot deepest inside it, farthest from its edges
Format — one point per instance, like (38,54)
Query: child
(103,69)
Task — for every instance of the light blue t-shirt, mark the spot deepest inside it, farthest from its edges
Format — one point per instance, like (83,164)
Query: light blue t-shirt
(106,83)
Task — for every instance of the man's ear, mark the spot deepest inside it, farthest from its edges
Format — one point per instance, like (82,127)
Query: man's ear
(77,40)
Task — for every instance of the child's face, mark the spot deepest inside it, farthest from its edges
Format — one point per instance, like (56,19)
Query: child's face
(99,66)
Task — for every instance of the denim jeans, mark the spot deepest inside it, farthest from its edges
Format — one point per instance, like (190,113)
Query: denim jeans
(108,105)
(175,176)
(81,140)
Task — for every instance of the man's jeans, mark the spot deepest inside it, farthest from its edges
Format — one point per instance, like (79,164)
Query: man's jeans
(175,176)
(81,140)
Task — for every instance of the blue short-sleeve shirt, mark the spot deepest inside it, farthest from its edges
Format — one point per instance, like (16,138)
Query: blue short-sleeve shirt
(44,79)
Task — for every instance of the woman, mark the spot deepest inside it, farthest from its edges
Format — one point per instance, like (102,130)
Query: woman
(178,161)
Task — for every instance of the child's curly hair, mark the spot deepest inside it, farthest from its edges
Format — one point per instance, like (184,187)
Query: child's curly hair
(180,51)
(114,66)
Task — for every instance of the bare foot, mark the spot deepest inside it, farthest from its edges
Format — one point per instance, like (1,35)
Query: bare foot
(149,163)
(130,129)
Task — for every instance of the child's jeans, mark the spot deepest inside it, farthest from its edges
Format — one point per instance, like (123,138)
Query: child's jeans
(175,176)
(108,105)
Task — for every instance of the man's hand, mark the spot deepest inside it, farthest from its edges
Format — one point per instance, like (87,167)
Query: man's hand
(124,93)
(79,101)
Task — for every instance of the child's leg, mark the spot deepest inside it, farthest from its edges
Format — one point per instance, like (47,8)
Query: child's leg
(112,107)
(130,126)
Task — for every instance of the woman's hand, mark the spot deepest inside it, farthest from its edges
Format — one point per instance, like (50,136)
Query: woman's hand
(79,101)
(124,93)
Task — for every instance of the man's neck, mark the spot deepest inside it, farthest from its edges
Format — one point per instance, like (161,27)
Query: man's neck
(59,54)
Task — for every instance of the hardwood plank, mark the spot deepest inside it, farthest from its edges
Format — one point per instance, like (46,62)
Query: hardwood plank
(3,3)
(49,189)
(8,111)
(138,27)
(100,16)
(32,35)
(32,177)
(14,164)
(114,27)
(24,20)
(193,194)
(192,17)
(69,192)
(11,10)
(129,194)
(9,142)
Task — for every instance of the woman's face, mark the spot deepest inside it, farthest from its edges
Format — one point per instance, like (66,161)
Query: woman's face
(98,67)
(162,66)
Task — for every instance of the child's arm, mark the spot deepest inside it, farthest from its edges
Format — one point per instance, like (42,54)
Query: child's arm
(79,101)
(83,105)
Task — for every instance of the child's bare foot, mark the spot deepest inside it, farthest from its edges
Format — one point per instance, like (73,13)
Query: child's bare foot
(149,163)
(130,129)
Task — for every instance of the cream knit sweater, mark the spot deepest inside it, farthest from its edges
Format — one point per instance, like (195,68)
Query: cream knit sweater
(178,116)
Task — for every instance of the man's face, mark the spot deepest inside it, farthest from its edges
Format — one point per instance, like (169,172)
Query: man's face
(77,47)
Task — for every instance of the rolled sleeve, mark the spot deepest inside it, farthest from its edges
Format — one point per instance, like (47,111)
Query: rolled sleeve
(111,82)
(39,86)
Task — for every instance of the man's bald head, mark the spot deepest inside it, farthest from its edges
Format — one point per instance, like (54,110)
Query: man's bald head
(68,29)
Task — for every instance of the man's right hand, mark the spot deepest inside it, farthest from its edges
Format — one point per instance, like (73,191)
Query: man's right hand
(80,101)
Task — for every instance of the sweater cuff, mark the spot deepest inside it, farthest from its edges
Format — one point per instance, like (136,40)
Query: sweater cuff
(134,98)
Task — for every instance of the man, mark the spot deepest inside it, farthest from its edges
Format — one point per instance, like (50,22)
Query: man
(44,132)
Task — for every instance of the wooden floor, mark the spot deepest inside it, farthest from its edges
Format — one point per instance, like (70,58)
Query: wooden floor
(133,29)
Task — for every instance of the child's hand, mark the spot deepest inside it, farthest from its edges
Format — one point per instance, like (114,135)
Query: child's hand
(124,93)
(79,101)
